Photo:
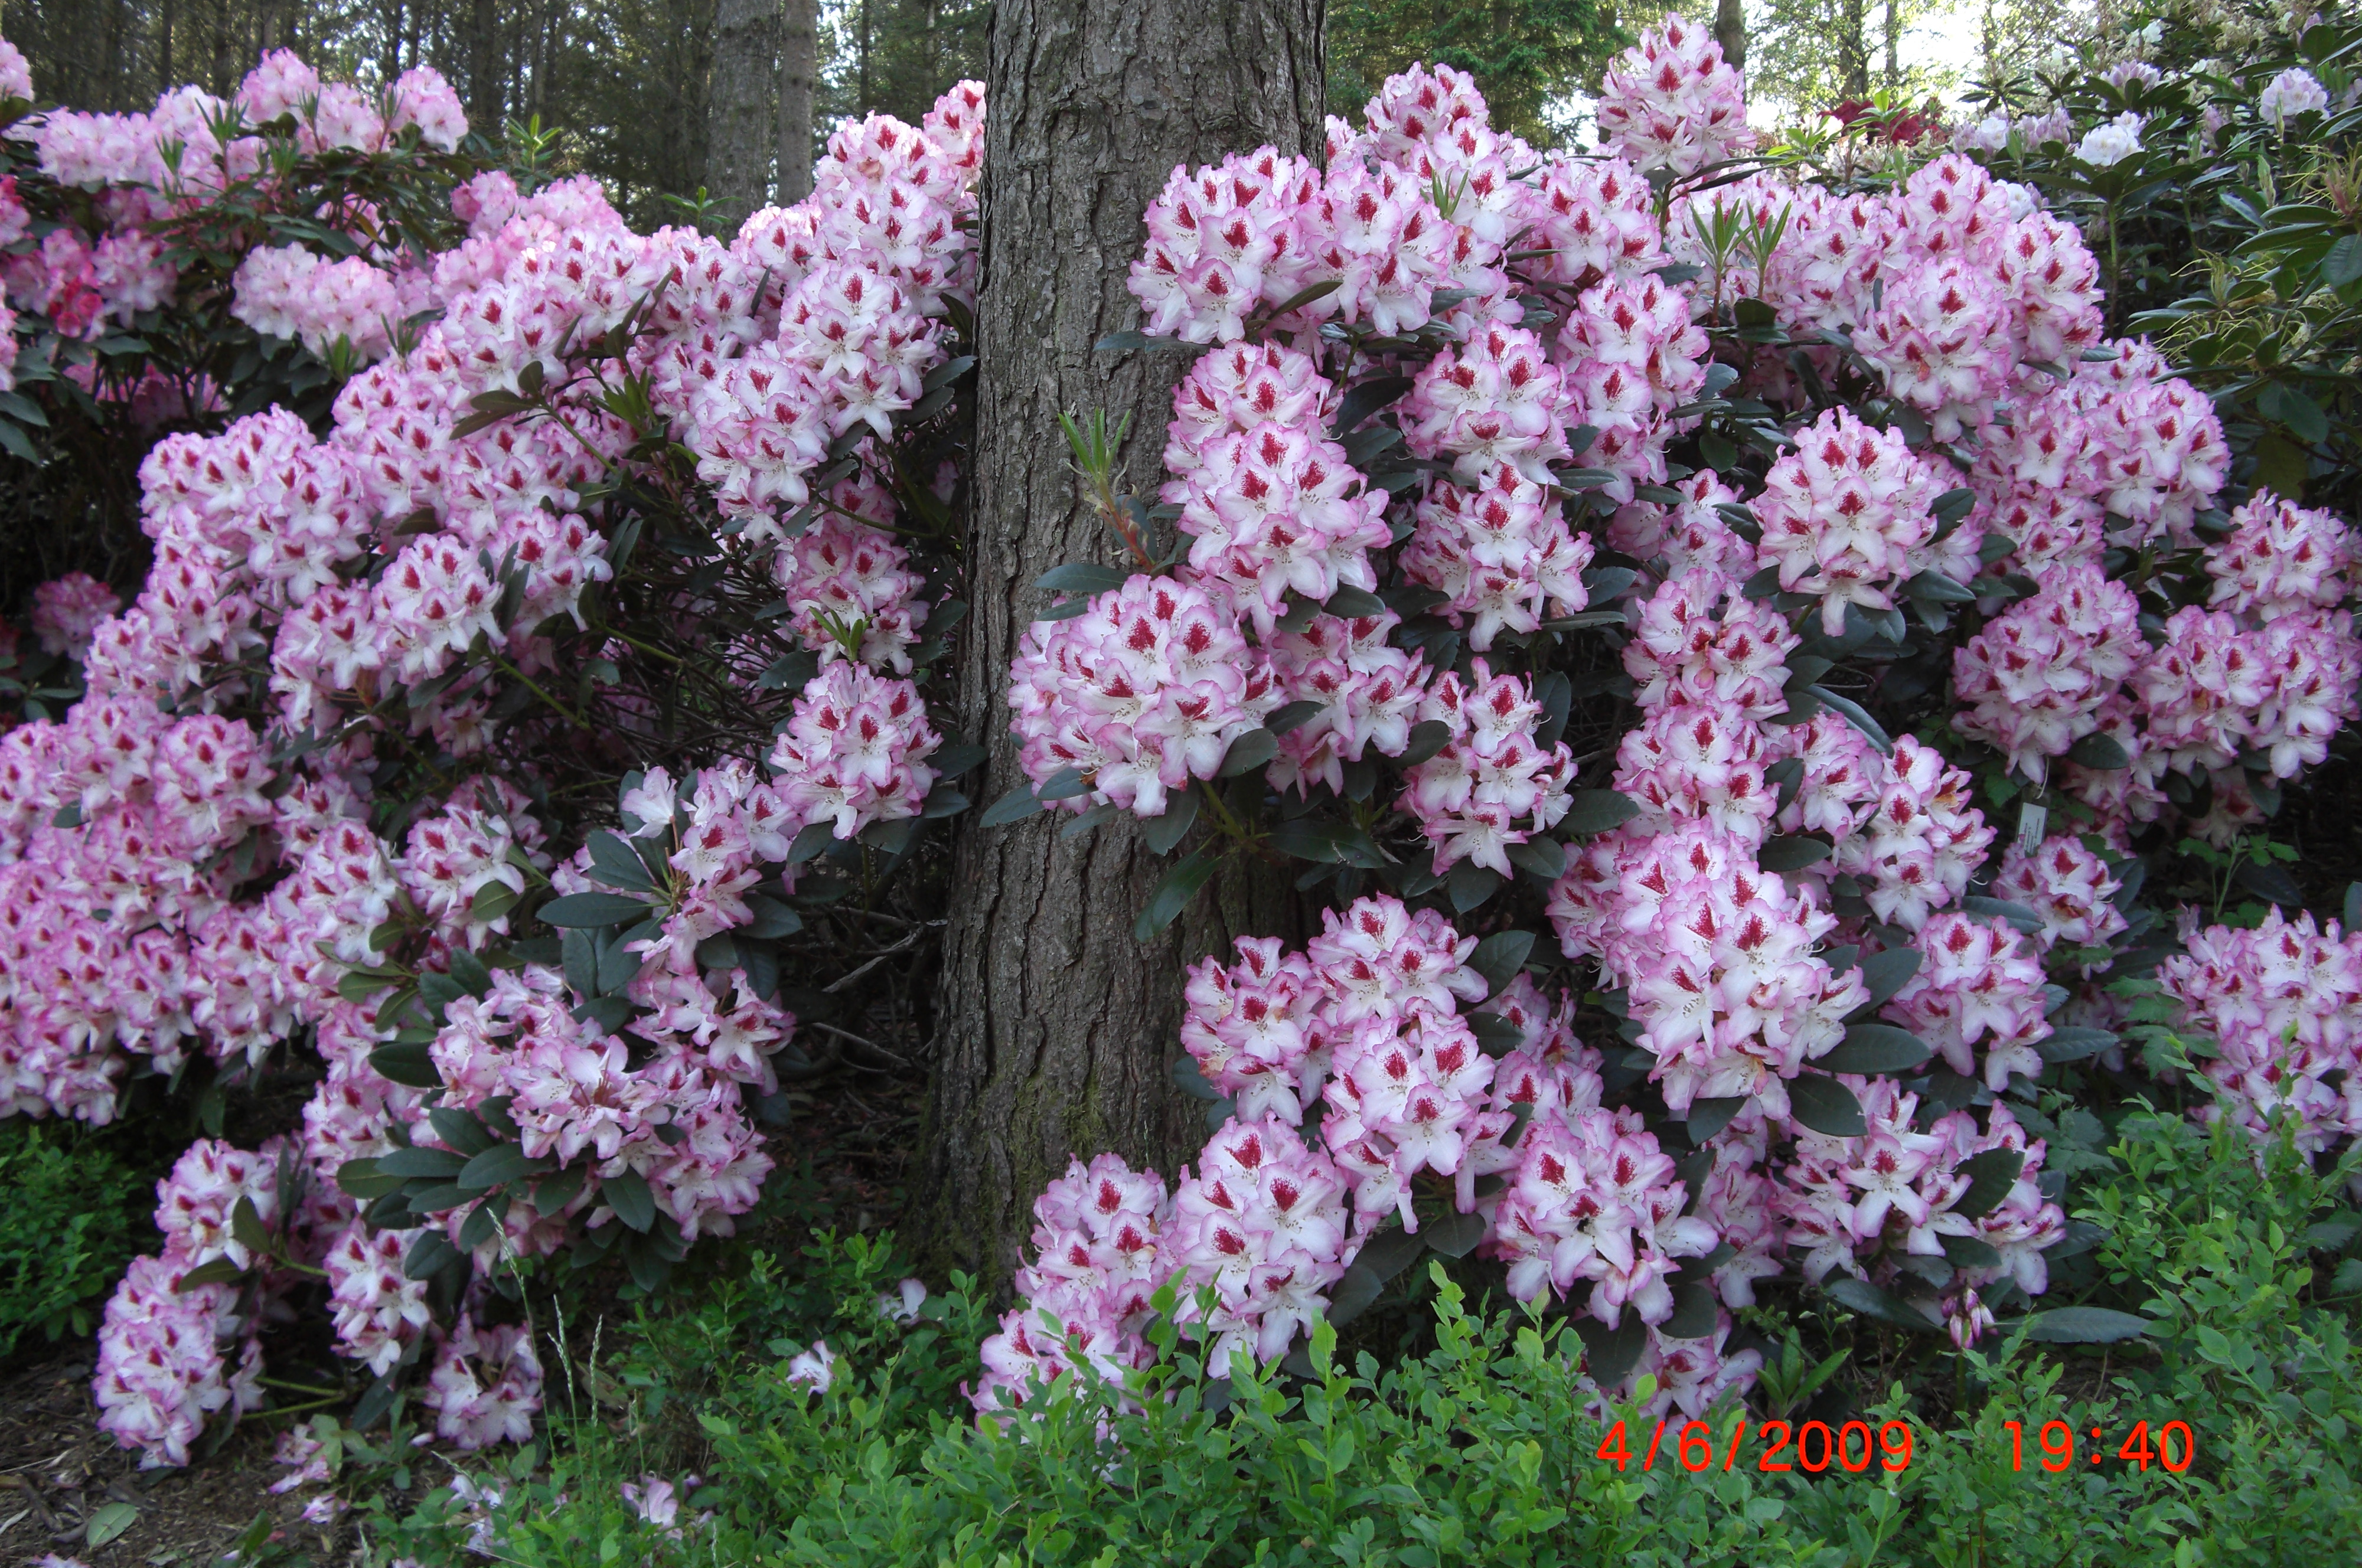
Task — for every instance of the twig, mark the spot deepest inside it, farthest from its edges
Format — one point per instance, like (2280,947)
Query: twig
(839,984)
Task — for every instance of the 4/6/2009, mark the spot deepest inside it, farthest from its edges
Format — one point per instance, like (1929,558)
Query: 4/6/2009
(1814,1446)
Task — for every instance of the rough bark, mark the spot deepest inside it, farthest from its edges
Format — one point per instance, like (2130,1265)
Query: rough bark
(1054,1026)
(798,75)
(738,108)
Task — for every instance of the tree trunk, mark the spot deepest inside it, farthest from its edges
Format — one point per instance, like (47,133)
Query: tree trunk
(484,83)
(798,73)
(1853,50)
(1054,1026)
(1730,32)
(739,116)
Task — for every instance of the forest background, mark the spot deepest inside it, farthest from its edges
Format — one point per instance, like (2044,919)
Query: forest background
(662,99)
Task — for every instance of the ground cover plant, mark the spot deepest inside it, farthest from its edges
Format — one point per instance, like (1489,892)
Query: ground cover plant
(1777,714)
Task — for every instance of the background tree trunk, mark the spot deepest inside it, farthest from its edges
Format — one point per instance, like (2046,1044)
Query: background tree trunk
(738,110)
(1054,1026)
(1730,32)
(798,75)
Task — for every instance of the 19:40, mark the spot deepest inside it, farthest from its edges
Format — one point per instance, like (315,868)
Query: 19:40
(2173,1446)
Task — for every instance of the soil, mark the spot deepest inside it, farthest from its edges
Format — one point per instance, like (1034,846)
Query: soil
(57,1470)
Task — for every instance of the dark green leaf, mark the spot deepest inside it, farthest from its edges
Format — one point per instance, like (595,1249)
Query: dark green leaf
(1249,752)
(1873,1048)
(1871,1302)
(2074,1044)
(2095,750)
(1541,858)
(412,1067)
(1015,806)
(500,1164)
(1164,833)
(431,1164)
(1827,1106)
(2270,883)
(460,1128)
(1610,1354)
(1086,578)
(1855,714)
(2085,1326)
(618,864)
(1695,1313)
(627,1194)
(1991,1175)
(1792,852)
(429,1255)
(2017,915)
(1352,1296)
(1293,715)
(1471,884)
(1426,737)
(1063,785)
(1364,399)
(1708,1117)
(1174,893)
(1454,1236)
(1499,957)
(593,910)
(1388,1252)
(1190,1080)
(1596,811)
(1885,973)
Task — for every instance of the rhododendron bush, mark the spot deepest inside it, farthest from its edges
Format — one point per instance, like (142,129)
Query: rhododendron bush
(1740,663)
(1731,649)
(474,751)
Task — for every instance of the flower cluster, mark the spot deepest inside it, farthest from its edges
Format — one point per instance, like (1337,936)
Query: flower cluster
(160,1368)
(1493,784)
(2284,1003)
(1140,694)
(1270,506)
(1846,517)
(1876,1205)
(1673,102)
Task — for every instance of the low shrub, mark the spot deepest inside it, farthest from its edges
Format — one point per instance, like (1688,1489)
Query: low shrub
(76,1213)
(1484,1447)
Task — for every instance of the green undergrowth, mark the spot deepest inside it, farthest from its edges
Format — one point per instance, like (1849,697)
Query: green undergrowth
(72,1212)
(1482,1448)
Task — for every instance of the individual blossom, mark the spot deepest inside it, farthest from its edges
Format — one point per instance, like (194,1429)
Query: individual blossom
(1369,694)
(855,751)
(2110,142)
(1697,641)
(68,611)
(1921,840)
(2293,91)
(1495,401)
(1728,985)
(1253,1028)
(2283,1004)
(2279,558)
(1278,509)
(1594,1199)
(851,593)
